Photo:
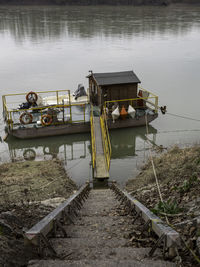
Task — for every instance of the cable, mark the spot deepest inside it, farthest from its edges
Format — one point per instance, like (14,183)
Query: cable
(178,131)
(154,170)
(75,164)
(180,116)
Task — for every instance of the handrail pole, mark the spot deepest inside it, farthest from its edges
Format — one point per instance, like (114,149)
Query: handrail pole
(92,138)
(156,104)
(106,139)
(70,106)
(57,97)
(84,112)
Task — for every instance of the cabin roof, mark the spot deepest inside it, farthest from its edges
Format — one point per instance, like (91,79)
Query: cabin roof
(112,78)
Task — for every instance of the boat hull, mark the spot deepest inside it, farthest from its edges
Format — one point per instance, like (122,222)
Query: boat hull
(135,122)
(53,130)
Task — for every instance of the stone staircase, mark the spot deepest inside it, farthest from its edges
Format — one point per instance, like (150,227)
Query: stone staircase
(100,237)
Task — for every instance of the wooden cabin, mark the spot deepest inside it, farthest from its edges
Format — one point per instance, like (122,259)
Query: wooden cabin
(112,86)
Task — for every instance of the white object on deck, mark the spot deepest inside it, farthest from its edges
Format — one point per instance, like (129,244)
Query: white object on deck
(131,111)
(67,117)
(39,101)
(52,100)
(115,114)
(39,123)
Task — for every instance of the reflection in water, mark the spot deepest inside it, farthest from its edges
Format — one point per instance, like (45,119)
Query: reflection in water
(37,23)
(51,147)
(100,184)
(72,150)
(75,151)
(129,152)
(123,141)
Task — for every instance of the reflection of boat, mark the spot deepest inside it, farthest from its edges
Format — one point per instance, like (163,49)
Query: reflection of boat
(123,141)
(65,147)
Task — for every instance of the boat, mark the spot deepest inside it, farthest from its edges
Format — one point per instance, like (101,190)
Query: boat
(49,113)
(45,113)
(119,95)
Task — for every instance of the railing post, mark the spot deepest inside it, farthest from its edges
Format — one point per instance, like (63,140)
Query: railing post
(156,104)
(92,138)
(57,96)
(84,112)
(70,106)
(11,121)
(106,139)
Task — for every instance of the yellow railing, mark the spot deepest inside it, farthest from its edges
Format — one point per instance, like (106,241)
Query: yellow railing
(9,113)
(151,100)
(106,139)
(93,138)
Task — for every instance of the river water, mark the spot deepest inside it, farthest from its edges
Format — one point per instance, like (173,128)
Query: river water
(49,48)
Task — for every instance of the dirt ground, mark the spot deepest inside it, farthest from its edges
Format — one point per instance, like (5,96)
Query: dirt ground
(178,172)
(28,192)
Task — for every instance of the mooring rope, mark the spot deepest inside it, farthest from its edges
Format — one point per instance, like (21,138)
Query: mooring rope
(177,115)
(182,117)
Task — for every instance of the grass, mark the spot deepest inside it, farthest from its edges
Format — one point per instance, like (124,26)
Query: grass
(168,207)
(34,181)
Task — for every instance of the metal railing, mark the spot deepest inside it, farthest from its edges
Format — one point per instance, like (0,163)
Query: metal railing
(12,115)
(93,137)
(105,138)
(150,101)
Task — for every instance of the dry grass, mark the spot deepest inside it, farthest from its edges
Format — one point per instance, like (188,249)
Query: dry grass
(177,165)
(178,173)
(33,181)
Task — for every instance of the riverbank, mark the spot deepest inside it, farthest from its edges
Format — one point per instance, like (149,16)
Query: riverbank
(178,172)
(98,2)
(28,192)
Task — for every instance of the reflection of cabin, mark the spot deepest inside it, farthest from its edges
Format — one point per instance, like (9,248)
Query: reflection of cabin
(112,86)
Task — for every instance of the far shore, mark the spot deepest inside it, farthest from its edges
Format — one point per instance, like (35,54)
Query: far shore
(98,2)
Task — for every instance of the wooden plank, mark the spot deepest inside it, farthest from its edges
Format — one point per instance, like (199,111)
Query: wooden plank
(157,225)
(100,170)
(47,223)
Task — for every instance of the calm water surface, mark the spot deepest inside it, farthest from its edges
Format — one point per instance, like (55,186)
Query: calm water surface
(49,48)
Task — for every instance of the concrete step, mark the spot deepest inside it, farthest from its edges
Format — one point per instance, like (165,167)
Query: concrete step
(102,253)
(90,244)
(96,229)
(100,238)
(100,263)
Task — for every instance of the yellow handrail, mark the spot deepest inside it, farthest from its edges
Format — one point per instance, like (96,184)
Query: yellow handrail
(93,138)
(151,96)
(39,92)
(11,122)
(106,139)
(9,114)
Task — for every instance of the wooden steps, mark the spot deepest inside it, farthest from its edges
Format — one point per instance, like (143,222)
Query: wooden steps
(98,238)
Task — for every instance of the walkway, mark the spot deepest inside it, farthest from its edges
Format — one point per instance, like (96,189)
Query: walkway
(100,237)
(100,170)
